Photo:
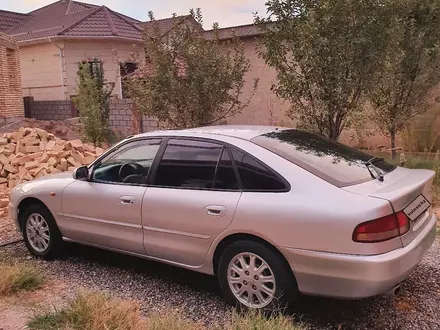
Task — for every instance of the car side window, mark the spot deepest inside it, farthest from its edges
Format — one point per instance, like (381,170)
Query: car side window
(130,164)
(254,175)
(188,164)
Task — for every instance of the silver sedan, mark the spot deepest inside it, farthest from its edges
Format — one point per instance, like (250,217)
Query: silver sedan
(272,212)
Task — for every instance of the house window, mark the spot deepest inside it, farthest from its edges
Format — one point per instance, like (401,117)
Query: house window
(10,67)
(94,68)
(126,69)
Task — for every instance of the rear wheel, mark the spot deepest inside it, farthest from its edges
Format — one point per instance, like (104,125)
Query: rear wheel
(252,276)
(40,232)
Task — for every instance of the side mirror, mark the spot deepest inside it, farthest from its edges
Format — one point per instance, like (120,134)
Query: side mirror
(81,173)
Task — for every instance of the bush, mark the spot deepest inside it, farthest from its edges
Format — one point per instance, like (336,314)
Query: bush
(93,101)
(91,311)
(257,321)
(19,277)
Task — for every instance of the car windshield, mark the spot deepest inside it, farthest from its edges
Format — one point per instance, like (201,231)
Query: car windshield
(335,162)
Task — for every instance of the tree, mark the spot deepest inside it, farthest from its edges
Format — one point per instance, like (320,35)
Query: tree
(93,101)
(187,78)
(402,88)
(324,53)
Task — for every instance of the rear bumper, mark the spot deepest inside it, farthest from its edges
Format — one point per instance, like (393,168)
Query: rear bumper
(355,277)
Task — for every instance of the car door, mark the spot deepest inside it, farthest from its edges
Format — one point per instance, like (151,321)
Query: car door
(106,210)
(192,198)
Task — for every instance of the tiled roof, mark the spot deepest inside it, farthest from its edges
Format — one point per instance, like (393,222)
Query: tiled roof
(167,24)
(73,18)
(9,19)
(77,19)
(76,7)
(104,23)
(242,31)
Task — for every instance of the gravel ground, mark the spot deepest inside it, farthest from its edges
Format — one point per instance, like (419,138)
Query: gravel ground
(159,287)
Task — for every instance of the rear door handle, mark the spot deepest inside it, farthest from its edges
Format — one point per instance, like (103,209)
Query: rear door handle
(216,210)
(127,200)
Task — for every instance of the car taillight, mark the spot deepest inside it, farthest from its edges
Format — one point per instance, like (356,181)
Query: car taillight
(382,229)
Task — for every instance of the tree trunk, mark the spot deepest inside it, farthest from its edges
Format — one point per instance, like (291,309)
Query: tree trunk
(393,144)
(333,134)
(334,131)
(136,119)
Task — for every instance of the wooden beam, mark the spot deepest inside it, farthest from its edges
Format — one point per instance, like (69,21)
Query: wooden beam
(8,44)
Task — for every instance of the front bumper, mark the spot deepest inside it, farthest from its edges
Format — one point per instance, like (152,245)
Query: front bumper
(356,277)
(14,215)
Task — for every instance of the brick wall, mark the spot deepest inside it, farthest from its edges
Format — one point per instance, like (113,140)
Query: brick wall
(121,113)
(11,101)
(121,117)
(49,110)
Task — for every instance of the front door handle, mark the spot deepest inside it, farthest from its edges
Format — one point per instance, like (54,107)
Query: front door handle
(127,200)
(216,210)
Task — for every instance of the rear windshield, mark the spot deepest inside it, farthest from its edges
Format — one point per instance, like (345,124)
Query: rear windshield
(334,162)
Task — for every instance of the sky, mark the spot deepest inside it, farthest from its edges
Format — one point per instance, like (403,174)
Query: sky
(225,12)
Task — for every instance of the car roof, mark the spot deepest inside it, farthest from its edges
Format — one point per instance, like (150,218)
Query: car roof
(245,132)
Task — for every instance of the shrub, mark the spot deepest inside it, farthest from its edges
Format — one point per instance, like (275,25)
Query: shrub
(257,321)
(189,79)
(92,311)
(98,311)
(93,101)
(19,277)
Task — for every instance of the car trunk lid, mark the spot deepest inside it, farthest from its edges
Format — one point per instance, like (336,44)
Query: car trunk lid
(407,190)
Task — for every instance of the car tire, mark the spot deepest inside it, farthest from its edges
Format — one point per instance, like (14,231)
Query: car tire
(233,283)
(40,232)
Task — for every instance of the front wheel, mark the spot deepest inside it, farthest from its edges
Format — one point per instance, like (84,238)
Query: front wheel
(40,232)
(252,276)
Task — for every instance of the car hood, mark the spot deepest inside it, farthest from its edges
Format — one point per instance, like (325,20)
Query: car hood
(54,180)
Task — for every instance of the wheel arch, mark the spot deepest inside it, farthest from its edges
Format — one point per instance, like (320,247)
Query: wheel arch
(230,239)
(24,204)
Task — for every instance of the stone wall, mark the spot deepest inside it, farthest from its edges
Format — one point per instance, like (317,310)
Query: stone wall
(11,101)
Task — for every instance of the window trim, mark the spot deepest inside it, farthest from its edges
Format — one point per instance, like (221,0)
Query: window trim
(287,185)
(217,166)
(115,150)
(154,168)
(228,147)
(165,138)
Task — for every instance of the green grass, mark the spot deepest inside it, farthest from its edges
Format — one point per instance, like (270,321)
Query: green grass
(257,321)
(99,311)
(19,277)
(48,321)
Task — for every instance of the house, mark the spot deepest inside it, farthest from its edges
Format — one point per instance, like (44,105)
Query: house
(11,101)
(54,38)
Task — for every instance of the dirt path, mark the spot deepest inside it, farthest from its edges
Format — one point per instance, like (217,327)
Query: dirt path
(13,317)
(16,311)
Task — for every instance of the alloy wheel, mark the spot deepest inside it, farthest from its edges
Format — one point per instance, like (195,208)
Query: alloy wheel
(251,280)
(37,231)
